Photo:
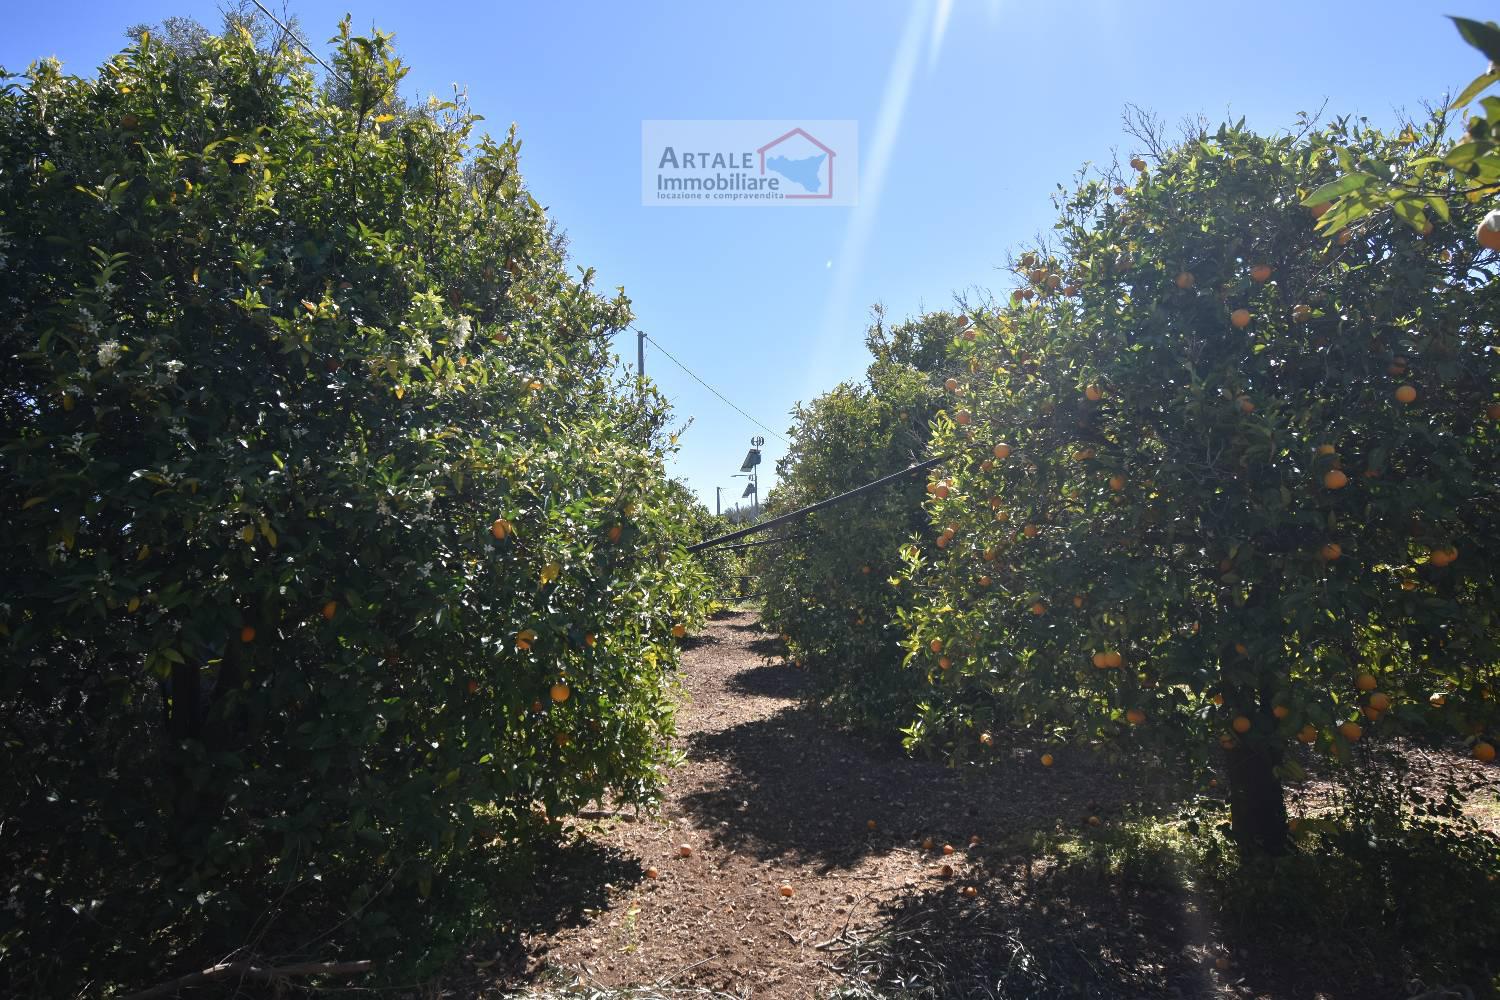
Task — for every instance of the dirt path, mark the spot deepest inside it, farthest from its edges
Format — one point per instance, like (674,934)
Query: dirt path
(767,796)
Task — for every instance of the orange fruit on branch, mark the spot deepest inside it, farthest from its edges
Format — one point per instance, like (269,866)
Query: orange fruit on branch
(1488,231)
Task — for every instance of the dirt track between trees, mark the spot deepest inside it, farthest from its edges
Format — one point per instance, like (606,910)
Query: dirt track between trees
(768,796)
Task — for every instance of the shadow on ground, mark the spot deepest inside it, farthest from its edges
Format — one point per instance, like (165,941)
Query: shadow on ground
(570,881)
(797,786)
(1038,931)
(770,648)
(770,680)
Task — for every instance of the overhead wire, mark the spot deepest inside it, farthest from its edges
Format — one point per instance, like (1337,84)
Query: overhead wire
(723,398)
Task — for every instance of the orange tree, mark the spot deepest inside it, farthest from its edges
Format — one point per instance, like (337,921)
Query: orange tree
(1237,480)
(338,553)
(831,590)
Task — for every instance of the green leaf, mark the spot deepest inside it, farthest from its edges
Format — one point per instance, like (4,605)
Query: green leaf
(1338,188)
(1474,89)
(1484,36)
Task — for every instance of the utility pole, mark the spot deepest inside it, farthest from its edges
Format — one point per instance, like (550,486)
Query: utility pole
(718,501)
(640,354)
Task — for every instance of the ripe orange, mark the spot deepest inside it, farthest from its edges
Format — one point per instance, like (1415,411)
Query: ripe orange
(1240,318)
(615,531)
(1001,515)
(989,554)
(1438,699)
(941,491)
(1301,313)
(1326,449)
(560,693)
(1038,608)
(865,570)
(947,849)
(329,610)
(1002,451)
(870,823)
(1113,659)
(1077,600)
(986,739)
(951,385)
(1380,701)
(985,581)
(927,844)
(1083,454)
(944,663)
(1307,734)
(970,892)
(1242,649)
(1281,711)
(1366,682)
(1331,551)
(1093,393)
(525,638)
(652,873)
(1138,163)
(786,890)
(1319,209)
(942,541)
(1185,280)
(1488,232)
(964,418)
(1443,556)
(1117,483)
(1218,699)
(1095,821)
(1260,273)
(1029,530)
(1351,731)
(1484,751)
(500,528)
(1335,479)
(247,634)
(1406,394)
(1240,725)
(936,645)
(473,687)
(678,631)
(1247,405)
(1046,760)
(1101,661)
(1135,716)
(946,871)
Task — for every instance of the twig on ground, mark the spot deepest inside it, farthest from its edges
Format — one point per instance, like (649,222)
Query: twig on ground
(249,970)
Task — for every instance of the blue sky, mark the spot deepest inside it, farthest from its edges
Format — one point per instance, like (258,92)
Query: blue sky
(970,112)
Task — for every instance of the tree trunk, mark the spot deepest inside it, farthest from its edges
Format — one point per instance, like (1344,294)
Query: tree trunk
(1257,810)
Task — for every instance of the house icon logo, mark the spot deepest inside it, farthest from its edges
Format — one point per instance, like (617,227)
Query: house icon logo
(805,162)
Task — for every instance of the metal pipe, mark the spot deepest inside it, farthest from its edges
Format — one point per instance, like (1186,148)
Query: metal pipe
(784,518)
